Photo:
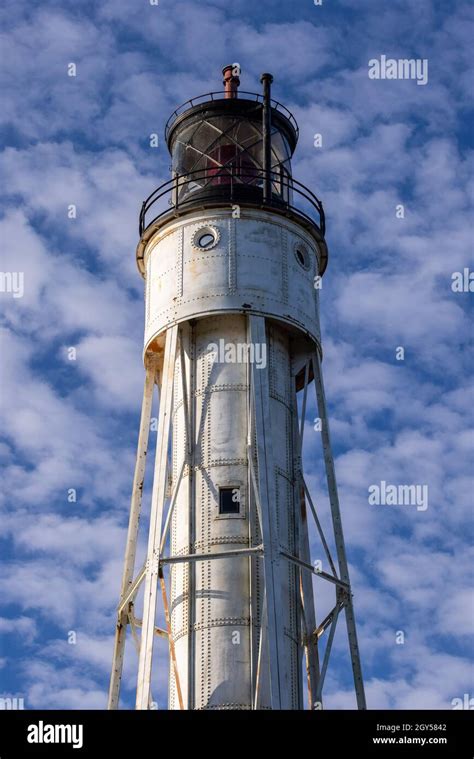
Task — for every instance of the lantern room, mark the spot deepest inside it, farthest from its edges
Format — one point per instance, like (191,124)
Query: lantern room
(232,148)
(219,146)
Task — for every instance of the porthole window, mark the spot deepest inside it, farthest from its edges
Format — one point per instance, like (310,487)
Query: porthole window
(302,255)
(229,500)
(205,238)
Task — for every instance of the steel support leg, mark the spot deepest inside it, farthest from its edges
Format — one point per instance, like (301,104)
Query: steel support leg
(266,495)
(338,533)
(186,352)
(156,518)
(131,546)
(305,578)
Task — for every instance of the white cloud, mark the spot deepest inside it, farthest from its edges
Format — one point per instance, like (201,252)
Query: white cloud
(19,626)
(114,366)
(67,424)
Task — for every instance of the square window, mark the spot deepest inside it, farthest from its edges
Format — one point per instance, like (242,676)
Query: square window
(229,500)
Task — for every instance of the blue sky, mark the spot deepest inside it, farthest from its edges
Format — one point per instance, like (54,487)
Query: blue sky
(66,424)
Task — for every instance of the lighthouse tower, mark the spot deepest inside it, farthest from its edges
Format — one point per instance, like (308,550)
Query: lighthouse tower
(231,250)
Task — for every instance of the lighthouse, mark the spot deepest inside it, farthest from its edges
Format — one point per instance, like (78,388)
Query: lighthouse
(232,250)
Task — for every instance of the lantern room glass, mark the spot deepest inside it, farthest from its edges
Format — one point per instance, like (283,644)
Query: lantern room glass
(217,151)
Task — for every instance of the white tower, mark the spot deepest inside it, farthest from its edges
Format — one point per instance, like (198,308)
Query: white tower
(231,249)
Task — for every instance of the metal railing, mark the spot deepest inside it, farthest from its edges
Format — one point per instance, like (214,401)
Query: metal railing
(223,186)
(257,96)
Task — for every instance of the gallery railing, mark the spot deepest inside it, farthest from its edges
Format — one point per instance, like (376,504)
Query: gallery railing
(230,184)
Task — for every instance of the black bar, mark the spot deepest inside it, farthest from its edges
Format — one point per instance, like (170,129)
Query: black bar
(346,733)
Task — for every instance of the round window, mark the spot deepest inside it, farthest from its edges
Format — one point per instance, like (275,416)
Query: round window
(205,238)
(302,255)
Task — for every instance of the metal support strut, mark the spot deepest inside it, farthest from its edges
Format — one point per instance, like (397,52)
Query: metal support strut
(131,546)
(338,534)
(156,518)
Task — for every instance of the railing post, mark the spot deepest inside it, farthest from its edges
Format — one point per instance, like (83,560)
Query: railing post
(141,225)
(267,80)
(176,190)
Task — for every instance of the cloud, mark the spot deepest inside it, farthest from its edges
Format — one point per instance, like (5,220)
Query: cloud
(20,626)
(84,141)
(113,365)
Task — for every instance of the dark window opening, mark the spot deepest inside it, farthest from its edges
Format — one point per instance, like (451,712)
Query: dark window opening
(206,240)
(303,256)
(229,500)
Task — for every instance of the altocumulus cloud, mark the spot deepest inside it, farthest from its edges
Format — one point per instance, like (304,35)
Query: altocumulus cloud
(69,426)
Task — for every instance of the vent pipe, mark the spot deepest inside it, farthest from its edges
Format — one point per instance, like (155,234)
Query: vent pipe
(266,80)
(231,80)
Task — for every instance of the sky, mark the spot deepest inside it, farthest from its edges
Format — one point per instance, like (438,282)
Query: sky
(394,172)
